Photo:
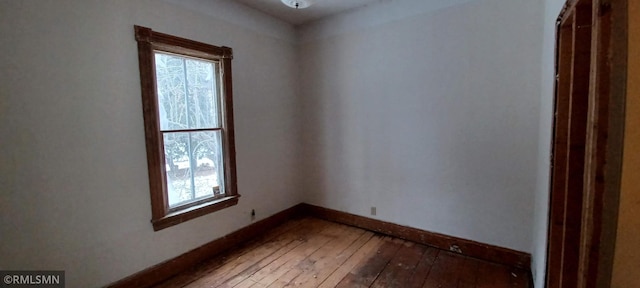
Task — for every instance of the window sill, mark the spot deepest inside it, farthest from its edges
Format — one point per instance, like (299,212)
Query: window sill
(187,214)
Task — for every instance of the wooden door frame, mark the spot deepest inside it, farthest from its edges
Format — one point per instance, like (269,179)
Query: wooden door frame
(602,164)
(572,95)
(605,165)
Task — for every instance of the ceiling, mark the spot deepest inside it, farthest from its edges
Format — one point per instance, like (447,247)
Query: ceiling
(319,9)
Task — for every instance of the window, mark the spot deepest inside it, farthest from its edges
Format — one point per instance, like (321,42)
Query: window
(188,118)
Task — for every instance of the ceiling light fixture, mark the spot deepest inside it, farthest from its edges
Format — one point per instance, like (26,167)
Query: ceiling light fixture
(297,4)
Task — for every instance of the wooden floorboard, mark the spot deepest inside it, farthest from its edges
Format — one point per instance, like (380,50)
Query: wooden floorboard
(367,272)
(276,270)
(206,268)
(423,269)
(469,273)
(400,269)
(317,267)
(304,271)
(370,247)
(446,271)
(310,252)
(305,238)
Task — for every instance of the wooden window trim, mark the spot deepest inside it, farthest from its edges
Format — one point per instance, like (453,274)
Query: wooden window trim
(148,42)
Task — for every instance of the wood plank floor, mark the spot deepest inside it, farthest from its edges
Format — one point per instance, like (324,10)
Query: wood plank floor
(310,252)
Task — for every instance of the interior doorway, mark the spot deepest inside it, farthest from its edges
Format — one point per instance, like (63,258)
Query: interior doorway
(587,142)
(573,66)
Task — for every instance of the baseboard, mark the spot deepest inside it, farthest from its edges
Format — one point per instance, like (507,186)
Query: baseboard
(467,247)
(165,270)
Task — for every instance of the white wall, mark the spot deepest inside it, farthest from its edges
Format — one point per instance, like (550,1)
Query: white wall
(541,216)
(74,189)
(432,117)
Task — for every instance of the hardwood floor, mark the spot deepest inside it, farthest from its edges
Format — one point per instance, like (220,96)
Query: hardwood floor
(310,252)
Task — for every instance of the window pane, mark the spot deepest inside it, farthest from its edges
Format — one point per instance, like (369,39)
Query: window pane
(178,168)
(171,85)
(187,93)
(207,149)
(202,94)
(194,166)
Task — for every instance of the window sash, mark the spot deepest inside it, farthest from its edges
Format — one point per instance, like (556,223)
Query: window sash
(191,157)
(212,117)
